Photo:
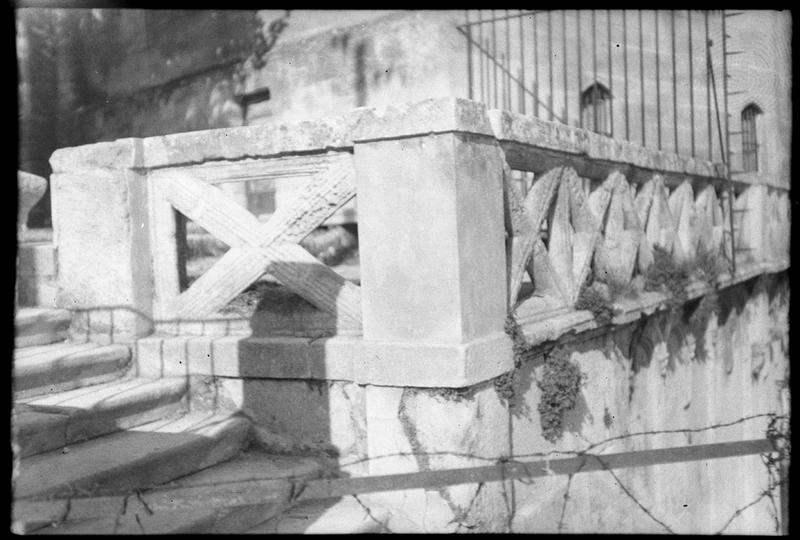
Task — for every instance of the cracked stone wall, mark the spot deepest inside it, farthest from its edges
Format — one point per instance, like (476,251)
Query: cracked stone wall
(664,374)
(658,373)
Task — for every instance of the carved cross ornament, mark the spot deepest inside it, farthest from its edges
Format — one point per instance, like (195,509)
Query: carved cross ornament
(257,248)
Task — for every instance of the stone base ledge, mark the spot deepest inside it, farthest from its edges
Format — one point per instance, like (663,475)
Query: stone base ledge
(539,331)
(435,365)
(335,358)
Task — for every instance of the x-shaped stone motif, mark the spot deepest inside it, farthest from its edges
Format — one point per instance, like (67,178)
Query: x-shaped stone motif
(258,248)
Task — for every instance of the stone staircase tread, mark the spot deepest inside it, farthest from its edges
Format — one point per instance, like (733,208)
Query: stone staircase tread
(103,396)
(44,423)
(39,325)
(42,354)
(208,519)
(60,367)
(327,516)
(140,457)
(29,315)
(253,466)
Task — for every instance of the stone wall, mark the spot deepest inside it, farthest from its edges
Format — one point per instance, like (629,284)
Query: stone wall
(639,379)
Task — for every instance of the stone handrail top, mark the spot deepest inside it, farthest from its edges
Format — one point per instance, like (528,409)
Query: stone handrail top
(527,141)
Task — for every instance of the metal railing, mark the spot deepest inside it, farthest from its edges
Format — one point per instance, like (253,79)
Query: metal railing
(655,71)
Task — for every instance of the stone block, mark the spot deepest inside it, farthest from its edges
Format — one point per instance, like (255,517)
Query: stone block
(99,222)
(443,279)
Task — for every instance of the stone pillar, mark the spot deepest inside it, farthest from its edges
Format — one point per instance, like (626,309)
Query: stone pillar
(433,281)
(100,227)
(432,246)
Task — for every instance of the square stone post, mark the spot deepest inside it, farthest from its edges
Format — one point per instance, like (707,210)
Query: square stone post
(432,247)
(100,228)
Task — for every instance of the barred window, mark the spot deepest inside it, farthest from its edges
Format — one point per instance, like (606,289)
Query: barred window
(595,108)
(750,137)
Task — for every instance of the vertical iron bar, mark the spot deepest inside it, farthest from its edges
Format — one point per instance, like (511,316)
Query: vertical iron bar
(482,56)
(536,67)
(641,76)
(503,81)
(745,142)
(728,137)
(625,70)
(564,54)
(521,64)
(658,83)
(722,151)
(728,182)
(580,69)
(508,60)
(594,69)
(691,79)
(674,82)
(610,76)
(487,47)
(469,53)
(550,59)
(708,89)
(725,89)
(494,56)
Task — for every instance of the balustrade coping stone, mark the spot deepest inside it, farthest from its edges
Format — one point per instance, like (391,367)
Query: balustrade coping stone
(350,358)
(340,133)
(539,331)
(560,138)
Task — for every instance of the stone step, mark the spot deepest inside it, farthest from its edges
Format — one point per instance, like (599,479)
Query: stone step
(327,516)
(57,367)
(40,326)
(53,421)
(207,518)
(138,458)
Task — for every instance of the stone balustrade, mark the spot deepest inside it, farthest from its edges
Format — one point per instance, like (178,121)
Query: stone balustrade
(31,189)
(36,262)
(457,205)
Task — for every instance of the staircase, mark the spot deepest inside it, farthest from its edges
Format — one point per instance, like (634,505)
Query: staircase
(85,424)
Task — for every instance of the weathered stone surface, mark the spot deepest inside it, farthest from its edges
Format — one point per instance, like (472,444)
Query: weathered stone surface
(416,430)
(682,208)
(331,516)
(443,279)
(37,432)
(324,416)
(652,204)
(593,150)
(37,283)
(189,504)
(119,154)
(40,326)
(145,456)
(251,141)
(442,115)
(100,227)
(52,368)
(672,376)
(335,358)
(97,410)
(31,188)
(433,364)
(616,252)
